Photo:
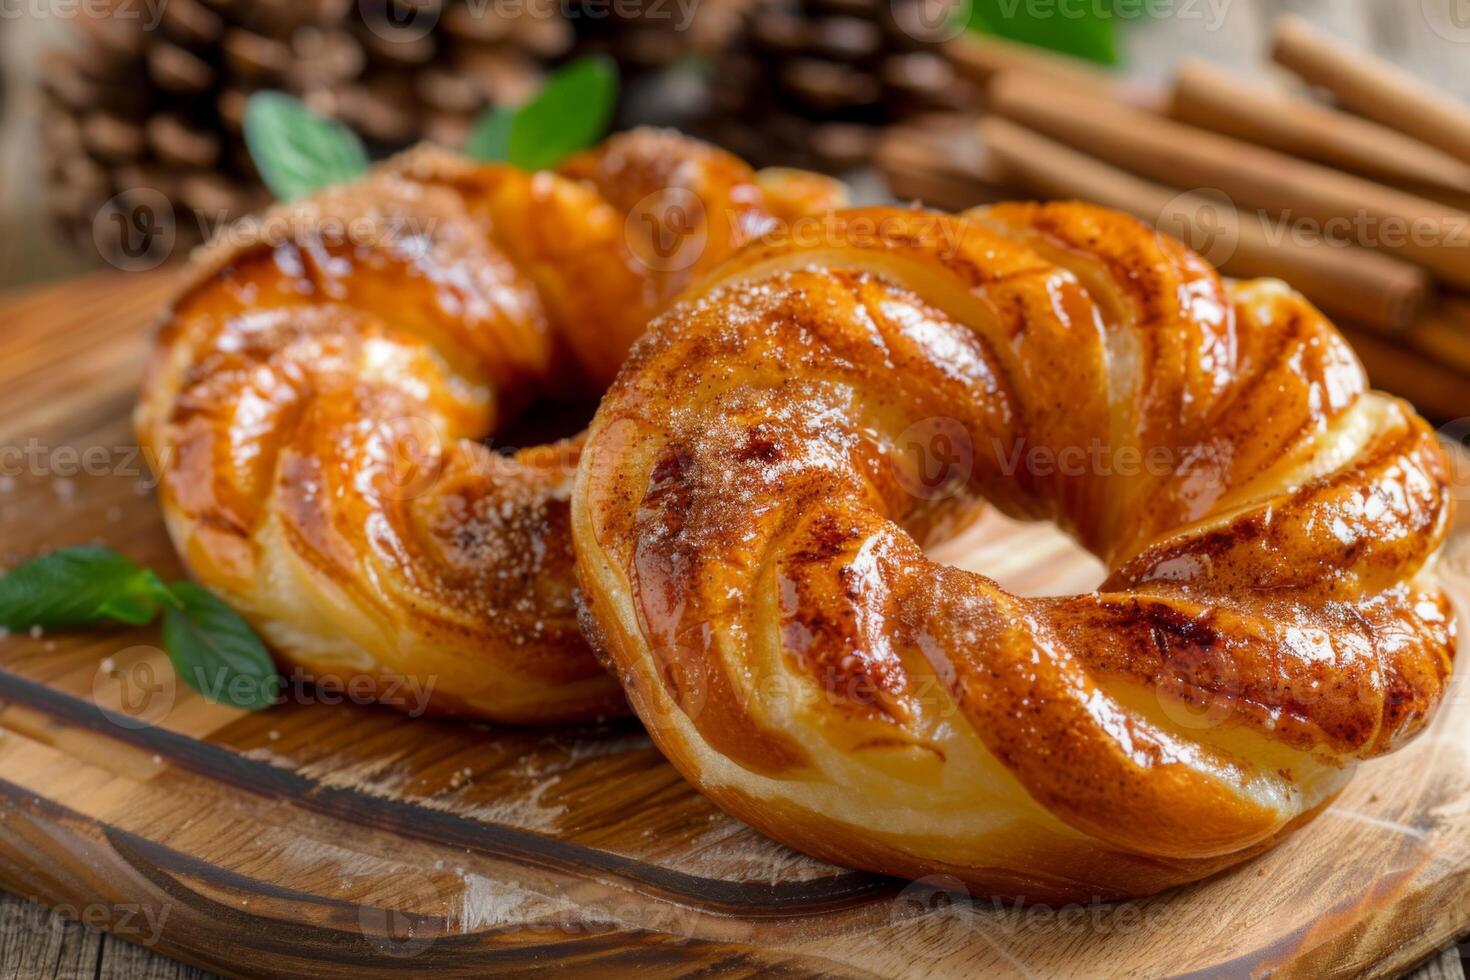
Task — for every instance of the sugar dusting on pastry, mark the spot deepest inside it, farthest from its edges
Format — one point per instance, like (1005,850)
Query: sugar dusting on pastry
(750,512)
(318,393)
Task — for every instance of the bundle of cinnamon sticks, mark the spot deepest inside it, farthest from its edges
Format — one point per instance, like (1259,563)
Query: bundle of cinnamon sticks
(1363,205)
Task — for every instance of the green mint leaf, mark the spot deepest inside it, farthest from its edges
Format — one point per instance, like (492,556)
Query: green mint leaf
(296,150)
(1077,30)
(78,587)
(571,112)
(216,652)
(490,136)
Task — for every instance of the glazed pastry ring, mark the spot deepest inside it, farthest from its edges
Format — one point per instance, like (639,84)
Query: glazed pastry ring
(749,542)
(318,397)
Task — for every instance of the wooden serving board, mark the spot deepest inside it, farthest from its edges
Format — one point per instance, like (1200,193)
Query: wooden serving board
(331,838)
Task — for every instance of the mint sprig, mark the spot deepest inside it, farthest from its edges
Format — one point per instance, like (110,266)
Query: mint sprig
(296,150)
(1083,33)
(79,587)
(569,113)
(216,651)
(211,647)
(489,138)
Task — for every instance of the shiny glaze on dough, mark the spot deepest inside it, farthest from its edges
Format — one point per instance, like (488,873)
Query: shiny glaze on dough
(317,399)
(749,520)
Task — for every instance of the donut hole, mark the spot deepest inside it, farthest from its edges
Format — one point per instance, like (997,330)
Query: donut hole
(544,420)
(1026,558)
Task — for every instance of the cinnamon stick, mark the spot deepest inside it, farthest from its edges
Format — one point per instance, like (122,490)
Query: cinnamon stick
(940,161)
(1343,207)
(1215,99)
(1372,87)
(1436,389)
(1369,288)
(1459,200)
(980,59)
(1444,334)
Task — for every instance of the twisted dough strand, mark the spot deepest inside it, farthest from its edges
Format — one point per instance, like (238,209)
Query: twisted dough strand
(748,519)
(317,396)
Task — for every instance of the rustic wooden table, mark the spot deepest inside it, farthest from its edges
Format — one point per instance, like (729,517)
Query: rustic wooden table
(1431,37)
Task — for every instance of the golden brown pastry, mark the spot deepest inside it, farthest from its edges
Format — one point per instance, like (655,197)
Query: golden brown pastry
(750,509)
(317,395)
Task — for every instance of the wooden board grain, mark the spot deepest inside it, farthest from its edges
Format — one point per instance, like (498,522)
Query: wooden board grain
(331,838)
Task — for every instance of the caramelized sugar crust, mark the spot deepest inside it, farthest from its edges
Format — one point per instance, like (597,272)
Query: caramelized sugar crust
(757,485)
(318,400)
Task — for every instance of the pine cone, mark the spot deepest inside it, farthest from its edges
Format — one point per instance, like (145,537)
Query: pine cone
(813,83)
(134,107)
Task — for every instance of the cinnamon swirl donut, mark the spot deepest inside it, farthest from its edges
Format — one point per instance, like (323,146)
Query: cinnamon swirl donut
(748,521)
(318,395)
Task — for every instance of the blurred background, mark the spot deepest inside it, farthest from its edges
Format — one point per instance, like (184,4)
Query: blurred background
(110,105)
